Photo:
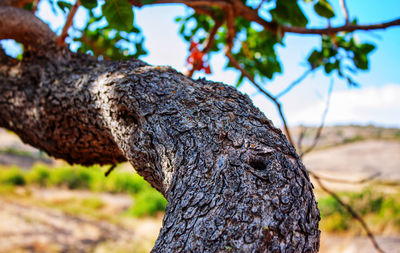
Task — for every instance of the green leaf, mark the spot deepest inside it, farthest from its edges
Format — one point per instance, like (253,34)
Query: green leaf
(239,81)
(119,14)
(361,61)
(315,59)
(289,12)
(89,4)
(64,6)
(329,67)
(366,48)
(324,9)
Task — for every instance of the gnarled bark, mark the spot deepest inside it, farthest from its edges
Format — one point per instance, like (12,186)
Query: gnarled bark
(232,181)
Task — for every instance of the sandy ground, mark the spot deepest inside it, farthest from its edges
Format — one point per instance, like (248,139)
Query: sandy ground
(375,159)
(340,244)
(26,227)
(362,159)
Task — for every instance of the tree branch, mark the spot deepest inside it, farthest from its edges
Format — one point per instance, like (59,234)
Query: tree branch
(208,44)
(252,15)
(267,94)
(345,11)
(294,83)
(24,27)
(344,181)
(345,28)
(321,126)
(228,185)
(350,210)
(61,39)
(15,3)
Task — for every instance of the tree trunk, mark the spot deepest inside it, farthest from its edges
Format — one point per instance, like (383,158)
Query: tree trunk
(232,181)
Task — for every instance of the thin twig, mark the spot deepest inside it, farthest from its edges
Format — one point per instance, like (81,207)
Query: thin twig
(344,181)
(294,83)
(110,170)
(350,210)
(208,44)
(61,39)
(301,136)
(96,50)
(267,94)
(321,126)
(235,63)
(345,28)
(345,11)
(260,4)
(230,24)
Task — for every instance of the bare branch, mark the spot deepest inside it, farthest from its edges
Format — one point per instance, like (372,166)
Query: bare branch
(345,11)
(294,83)
(208,45)
(344,181)
(278,105)
(230,24)
(15,3)
(94,47)
(24,27)
(349,209)
(61,39)
(110,170)
(345,28)
(321,126)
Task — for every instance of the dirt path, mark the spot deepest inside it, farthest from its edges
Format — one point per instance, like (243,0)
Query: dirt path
(357,161)
(358,244)
(44,230)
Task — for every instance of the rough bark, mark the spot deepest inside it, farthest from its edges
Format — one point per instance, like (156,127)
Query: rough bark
(24,27)
(232,180)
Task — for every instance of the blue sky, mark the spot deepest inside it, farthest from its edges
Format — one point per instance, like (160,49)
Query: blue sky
(376,102)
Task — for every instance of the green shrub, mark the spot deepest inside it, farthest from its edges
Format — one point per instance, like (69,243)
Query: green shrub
(126,182)
(39,175)
(12,176)
(377,208)
(147,203)
(73,177)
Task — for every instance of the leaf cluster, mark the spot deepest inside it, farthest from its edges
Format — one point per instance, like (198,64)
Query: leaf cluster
(110,32)
(343,54)
(255,48)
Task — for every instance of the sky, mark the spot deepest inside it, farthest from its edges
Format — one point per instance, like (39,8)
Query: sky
(375,102)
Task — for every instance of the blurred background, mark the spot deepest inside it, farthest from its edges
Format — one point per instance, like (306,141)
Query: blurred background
(50,206)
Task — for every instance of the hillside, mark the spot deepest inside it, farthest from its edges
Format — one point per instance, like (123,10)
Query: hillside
(337,135)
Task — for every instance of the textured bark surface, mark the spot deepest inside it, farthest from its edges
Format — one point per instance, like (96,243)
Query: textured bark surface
(232,181)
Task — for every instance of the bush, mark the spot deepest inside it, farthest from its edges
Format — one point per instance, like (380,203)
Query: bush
(147,203)
(377,208)
(39,175)
(13,177)
(126,182)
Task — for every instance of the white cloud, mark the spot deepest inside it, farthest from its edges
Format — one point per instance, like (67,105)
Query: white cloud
(378,105)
